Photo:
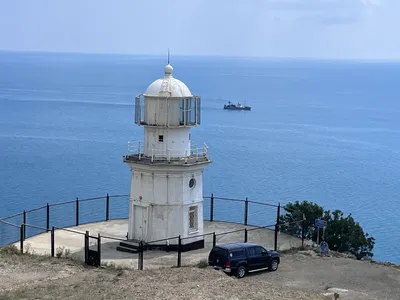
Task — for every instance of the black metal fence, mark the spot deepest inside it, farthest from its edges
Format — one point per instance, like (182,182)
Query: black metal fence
(59,217)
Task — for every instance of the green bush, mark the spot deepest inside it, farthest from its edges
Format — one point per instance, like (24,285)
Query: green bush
(343,233)
(10,250)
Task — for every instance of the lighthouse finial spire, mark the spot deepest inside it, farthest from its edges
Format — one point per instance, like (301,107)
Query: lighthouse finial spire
(169,56)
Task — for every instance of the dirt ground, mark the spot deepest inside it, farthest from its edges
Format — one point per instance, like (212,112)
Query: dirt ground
(300,276)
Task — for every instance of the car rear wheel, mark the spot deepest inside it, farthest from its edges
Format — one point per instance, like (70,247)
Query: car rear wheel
(273,265)
(241,272)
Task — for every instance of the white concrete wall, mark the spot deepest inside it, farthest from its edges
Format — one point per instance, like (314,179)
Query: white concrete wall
(195,194)
(168,197)
(171,221)
(157,187)
(166,221)
(176,140)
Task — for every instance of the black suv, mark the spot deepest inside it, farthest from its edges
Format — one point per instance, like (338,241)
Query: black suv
(240,258)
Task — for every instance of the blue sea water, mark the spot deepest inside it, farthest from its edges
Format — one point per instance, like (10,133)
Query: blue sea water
(323,131)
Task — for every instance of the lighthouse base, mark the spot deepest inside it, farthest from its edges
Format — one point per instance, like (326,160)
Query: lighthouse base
(133,246)
(174,247)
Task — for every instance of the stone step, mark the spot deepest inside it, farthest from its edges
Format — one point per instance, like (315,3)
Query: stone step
(127,249)
(130,245)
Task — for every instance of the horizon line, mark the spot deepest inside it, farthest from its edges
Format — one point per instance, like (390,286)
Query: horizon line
(159,55)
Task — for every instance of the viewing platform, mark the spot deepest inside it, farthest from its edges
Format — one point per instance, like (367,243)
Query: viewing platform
(191,156)
(95,230)
(111,232)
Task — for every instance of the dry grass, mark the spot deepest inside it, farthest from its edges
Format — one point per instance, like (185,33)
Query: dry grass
(30,276)
(302,275)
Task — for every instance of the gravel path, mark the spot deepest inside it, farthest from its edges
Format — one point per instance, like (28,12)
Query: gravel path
(363,280)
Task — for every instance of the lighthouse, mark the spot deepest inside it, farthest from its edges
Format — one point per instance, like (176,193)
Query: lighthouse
(166,194)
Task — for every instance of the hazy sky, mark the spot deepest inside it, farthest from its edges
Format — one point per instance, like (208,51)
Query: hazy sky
(290,28)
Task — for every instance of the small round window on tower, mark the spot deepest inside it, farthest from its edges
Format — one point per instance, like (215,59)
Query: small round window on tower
(192,182)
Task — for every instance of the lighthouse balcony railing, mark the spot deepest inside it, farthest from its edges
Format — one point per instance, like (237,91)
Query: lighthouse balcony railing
(136,152)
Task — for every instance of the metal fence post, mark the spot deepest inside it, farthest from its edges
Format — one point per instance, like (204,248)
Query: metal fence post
(24,222)
(107,207)
(214,239)
(246,210)
(99,248)
(278,214)
(179,251)
(86,247)
(212,208)
(52,242)
(77,211)
(48,217)
(245,235)
(140,256)
(21,239)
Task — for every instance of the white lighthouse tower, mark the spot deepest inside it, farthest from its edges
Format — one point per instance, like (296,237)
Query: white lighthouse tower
(166,196)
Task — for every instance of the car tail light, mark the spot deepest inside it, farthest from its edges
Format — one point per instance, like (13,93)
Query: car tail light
(228,264)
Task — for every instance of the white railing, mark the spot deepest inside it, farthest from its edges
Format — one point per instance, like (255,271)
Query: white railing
(137,149)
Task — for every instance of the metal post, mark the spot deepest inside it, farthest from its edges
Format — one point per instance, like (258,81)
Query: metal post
(77,211)
(302,233)
(246,210)
(245,235)
(99,248)
(52,242)
(48,217)
(278,215)
(179,251)
(21,239)
(214,239)
(140,256)
(24,222)
(140,250)
(107,207)
(86,247)
(212,208)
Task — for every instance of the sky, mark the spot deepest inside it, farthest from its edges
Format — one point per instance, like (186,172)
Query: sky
(342,29)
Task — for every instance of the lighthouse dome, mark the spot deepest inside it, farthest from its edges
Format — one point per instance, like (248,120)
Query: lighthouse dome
(168,86)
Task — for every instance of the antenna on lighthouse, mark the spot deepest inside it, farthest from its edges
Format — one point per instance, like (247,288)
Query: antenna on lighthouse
(168,56)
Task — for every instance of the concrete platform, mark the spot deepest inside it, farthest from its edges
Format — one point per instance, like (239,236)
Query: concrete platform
(113,230)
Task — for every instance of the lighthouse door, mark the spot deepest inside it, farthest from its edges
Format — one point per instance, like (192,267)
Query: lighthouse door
(140,220)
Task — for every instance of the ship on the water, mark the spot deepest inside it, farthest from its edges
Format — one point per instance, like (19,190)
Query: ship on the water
(238,106)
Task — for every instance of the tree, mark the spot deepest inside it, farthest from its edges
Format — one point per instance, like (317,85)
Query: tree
(343,234)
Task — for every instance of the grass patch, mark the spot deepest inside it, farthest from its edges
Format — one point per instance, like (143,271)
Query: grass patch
(202,264)
(112,266)
(10,250)
(293,250)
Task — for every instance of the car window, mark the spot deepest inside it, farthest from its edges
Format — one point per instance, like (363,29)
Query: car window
(258,250)
(237,252)
(218,252)
(252,251)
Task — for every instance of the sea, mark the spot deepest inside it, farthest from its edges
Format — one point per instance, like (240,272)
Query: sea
(319,130)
